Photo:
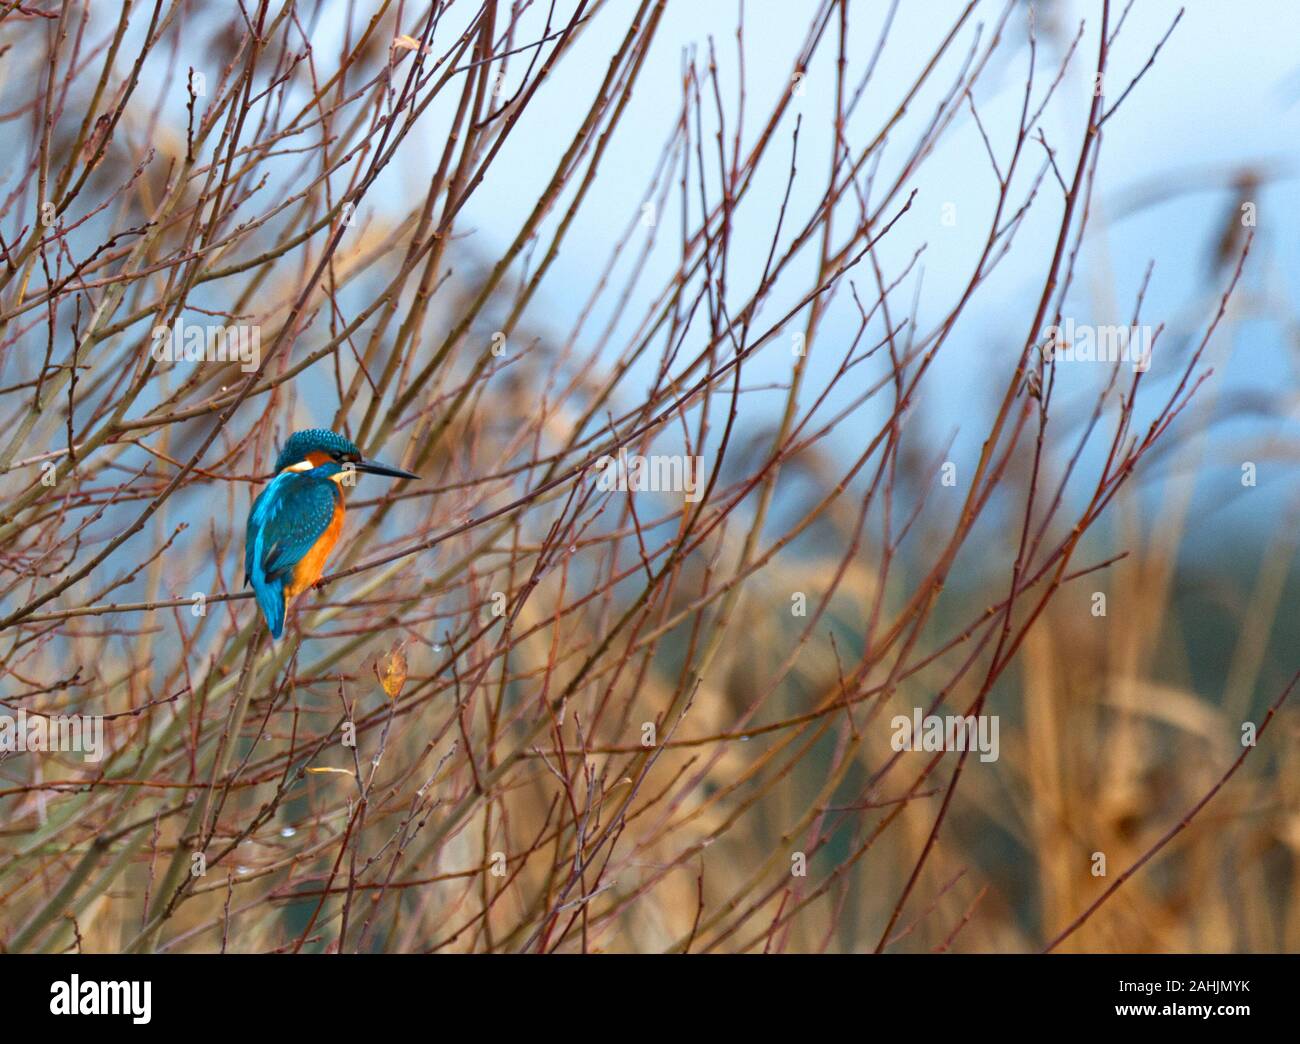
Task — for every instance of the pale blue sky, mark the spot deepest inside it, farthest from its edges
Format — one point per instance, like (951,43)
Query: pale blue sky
(1222,93)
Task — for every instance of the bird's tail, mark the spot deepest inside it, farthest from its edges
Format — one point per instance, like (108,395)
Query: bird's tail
(270,599)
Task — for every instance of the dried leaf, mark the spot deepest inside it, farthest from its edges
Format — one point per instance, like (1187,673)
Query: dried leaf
(393,675)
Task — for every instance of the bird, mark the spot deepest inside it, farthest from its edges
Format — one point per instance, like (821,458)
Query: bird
(296,520)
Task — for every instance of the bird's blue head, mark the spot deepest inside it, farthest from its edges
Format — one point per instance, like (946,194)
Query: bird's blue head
(328,450)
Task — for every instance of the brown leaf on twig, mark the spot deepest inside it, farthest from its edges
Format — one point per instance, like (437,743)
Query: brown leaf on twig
(392,671)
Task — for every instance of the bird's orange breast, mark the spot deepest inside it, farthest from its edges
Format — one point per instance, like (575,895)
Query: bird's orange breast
(312,564)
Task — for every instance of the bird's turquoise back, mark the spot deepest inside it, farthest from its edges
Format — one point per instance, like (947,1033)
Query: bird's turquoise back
(286,520)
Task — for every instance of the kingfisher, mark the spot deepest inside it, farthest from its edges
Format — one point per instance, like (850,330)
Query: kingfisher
(296,520)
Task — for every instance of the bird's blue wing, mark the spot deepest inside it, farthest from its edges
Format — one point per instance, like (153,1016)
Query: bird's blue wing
(286,519)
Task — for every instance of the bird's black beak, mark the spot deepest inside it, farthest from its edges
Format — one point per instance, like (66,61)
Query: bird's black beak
(373,467)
